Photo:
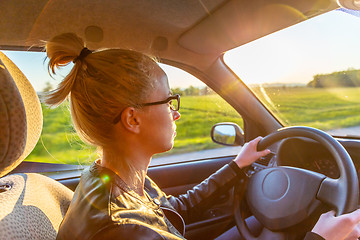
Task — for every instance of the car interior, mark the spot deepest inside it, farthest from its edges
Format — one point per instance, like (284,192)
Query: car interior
(192,36)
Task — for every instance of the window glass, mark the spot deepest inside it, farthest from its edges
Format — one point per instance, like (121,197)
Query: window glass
(307,74)
(200,109)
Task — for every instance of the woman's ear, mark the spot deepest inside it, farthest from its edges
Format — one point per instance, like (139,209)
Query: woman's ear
(130,120)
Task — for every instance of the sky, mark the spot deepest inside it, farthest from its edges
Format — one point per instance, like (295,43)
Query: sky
(321,45)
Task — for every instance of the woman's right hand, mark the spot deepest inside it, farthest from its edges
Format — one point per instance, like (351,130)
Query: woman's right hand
(249,153)
(343,227)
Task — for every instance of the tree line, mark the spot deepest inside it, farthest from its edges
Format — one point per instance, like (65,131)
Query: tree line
(349,78)
(190,91)
(193,91)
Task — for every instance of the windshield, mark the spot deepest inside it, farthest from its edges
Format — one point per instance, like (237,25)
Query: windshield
(308,74)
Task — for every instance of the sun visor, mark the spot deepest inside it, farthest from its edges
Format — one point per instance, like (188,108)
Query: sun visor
(239,22)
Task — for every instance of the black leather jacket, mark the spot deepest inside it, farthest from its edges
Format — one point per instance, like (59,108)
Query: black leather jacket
(104,207)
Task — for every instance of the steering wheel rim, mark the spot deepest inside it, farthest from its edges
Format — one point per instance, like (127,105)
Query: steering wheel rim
(345,188)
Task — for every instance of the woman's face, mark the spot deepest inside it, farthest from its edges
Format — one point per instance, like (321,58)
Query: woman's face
(159,129)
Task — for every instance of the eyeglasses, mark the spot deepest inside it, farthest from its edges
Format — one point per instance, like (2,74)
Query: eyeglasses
(174,102)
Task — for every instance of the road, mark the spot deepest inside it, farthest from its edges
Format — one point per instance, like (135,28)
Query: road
(354,131)
(185,157)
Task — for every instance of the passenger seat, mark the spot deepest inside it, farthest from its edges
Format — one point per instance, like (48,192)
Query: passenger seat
(32,205)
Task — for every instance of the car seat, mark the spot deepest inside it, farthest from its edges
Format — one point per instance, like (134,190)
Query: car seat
(32,205)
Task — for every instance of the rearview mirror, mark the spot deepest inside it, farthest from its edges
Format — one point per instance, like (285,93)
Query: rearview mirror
(229,134)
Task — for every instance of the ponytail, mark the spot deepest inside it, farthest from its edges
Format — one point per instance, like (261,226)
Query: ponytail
(62,50)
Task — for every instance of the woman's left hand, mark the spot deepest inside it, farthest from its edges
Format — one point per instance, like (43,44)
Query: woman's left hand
(249,153)
(345,226)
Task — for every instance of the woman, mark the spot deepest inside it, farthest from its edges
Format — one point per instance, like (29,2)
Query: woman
(121,102)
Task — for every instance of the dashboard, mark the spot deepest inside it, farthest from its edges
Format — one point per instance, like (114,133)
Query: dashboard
(308,154)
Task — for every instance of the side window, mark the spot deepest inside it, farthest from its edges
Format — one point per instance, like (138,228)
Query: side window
(200,109)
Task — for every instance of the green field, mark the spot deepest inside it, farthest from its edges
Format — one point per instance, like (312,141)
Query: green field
(321,108)
(60,144)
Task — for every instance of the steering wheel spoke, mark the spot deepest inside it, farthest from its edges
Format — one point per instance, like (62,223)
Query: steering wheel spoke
(267,234)
(331,192)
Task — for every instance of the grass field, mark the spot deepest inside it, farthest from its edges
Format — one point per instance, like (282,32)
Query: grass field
(60,144)
(325,109)
(321,108)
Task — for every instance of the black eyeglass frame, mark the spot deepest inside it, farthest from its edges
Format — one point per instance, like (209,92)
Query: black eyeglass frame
(173,97)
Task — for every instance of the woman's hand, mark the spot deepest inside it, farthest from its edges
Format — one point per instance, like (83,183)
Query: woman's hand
(249,153)
(342,227)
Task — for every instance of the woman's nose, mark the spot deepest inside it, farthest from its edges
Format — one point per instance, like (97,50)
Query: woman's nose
(176,115)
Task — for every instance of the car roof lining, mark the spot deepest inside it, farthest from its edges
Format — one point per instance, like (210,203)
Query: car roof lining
(194,32)
(123,23)
(239,22)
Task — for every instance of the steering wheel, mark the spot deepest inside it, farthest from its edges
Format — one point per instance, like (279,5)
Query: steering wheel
(281,197)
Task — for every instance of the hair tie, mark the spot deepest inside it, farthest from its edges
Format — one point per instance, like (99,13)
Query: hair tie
(84,52)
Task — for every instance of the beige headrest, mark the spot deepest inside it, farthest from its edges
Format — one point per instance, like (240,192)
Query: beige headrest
(20,116)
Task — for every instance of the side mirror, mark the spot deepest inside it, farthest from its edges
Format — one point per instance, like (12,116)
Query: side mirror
(229,134)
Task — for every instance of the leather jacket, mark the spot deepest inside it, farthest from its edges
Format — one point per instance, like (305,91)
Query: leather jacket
(104,207)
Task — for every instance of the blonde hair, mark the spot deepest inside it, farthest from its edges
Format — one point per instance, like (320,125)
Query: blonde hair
(100,85)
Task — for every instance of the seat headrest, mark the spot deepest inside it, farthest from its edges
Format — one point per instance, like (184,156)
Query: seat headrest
(20,116)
